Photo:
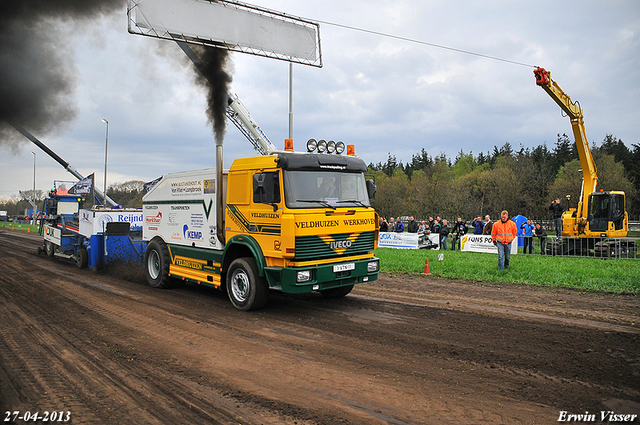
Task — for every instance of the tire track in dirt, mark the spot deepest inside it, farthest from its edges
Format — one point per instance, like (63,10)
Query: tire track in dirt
(80,370)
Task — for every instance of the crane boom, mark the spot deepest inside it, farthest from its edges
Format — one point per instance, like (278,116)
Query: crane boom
(239,115)
(98,193)
(574,111)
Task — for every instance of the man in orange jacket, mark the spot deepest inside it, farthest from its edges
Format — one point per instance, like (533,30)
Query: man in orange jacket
(503,233)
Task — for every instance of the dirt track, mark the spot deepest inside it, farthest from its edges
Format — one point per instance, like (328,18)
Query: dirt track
(402,350)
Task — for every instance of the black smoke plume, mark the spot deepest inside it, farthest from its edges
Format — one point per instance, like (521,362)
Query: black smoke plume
(38,75)
(37,72)
(211,74)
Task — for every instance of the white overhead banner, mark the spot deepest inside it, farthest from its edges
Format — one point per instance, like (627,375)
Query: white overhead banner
(230,25)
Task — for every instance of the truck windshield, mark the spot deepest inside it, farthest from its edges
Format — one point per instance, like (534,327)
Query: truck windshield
(322,189)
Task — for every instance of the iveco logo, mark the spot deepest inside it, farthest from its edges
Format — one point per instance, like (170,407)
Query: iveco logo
(340,244)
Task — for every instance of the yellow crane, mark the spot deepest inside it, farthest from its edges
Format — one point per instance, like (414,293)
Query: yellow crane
(599,214)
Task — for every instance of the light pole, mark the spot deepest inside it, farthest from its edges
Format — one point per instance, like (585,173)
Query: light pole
(34,186)
(106,145)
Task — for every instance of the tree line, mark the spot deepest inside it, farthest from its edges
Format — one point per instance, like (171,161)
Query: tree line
(127,194)
(523,181)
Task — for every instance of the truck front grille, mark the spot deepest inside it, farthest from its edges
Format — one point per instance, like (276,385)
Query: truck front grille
(333,246)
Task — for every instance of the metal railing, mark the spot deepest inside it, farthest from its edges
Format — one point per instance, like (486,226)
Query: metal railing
(621,248)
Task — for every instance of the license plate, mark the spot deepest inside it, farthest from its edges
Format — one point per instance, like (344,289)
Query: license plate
(344,267)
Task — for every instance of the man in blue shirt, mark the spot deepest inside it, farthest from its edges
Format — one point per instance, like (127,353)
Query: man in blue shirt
(478,226)
(527,231)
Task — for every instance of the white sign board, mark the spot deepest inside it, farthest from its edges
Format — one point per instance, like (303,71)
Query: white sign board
(53,234)
(229,25)
(398,240)
(94,222)
(483,243)
(180,209)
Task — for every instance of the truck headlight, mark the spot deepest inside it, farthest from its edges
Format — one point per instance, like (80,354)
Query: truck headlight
(373,266)
(303,276)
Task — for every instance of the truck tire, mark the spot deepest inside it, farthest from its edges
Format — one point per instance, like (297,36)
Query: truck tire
(157,261)
(49,249)
(246,289)
(82,258)
(340,292)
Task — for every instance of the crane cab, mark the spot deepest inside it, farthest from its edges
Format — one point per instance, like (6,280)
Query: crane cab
(607,214)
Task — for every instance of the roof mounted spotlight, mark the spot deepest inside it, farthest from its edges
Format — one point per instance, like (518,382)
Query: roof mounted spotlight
(339,148)
(311,145)
(322,146)
(331,146)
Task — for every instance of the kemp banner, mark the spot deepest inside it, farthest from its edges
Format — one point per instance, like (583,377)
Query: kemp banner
(483,243)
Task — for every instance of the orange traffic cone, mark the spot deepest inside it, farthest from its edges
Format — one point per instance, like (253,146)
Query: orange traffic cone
(13,228)
(28,229)
(426,267)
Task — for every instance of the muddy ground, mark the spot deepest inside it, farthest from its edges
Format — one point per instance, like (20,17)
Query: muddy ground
(403,350)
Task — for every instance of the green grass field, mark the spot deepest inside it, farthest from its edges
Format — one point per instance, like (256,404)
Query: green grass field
(23,227)
(592,274)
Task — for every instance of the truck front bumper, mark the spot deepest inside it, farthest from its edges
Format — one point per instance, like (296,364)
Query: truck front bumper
(297,280)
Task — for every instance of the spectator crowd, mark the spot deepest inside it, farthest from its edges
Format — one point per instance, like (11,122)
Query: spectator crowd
(450,234)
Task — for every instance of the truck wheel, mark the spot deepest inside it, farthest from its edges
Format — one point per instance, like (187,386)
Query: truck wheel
(336,292)
(49,248)
(157,261)
(82,258)
(246,289)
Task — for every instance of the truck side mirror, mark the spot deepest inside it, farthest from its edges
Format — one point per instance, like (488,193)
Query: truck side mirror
(371,189)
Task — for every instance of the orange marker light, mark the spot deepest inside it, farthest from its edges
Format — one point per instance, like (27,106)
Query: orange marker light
(288,145)
(351,149)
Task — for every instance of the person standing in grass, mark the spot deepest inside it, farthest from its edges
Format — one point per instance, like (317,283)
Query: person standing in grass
(444,233)
(458,232)
(503,233)
(384,226)
(541,234)
(486,230)
(557,209)
(399,225)
(478,226)
(527,231)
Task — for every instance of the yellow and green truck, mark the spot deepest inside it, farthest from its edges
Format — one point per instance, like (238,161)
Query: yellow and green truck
(289,221)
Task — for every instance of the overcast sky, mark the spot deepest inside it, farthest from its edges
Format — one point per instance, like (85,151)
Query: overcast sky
(382,94)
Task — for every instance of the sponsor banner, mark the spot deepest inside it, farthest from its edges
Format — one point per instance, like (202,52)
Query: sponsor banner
(53,234)
(434,238)
(398,240)
(483,243)
(191,234)
(94,222)
(83,187)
